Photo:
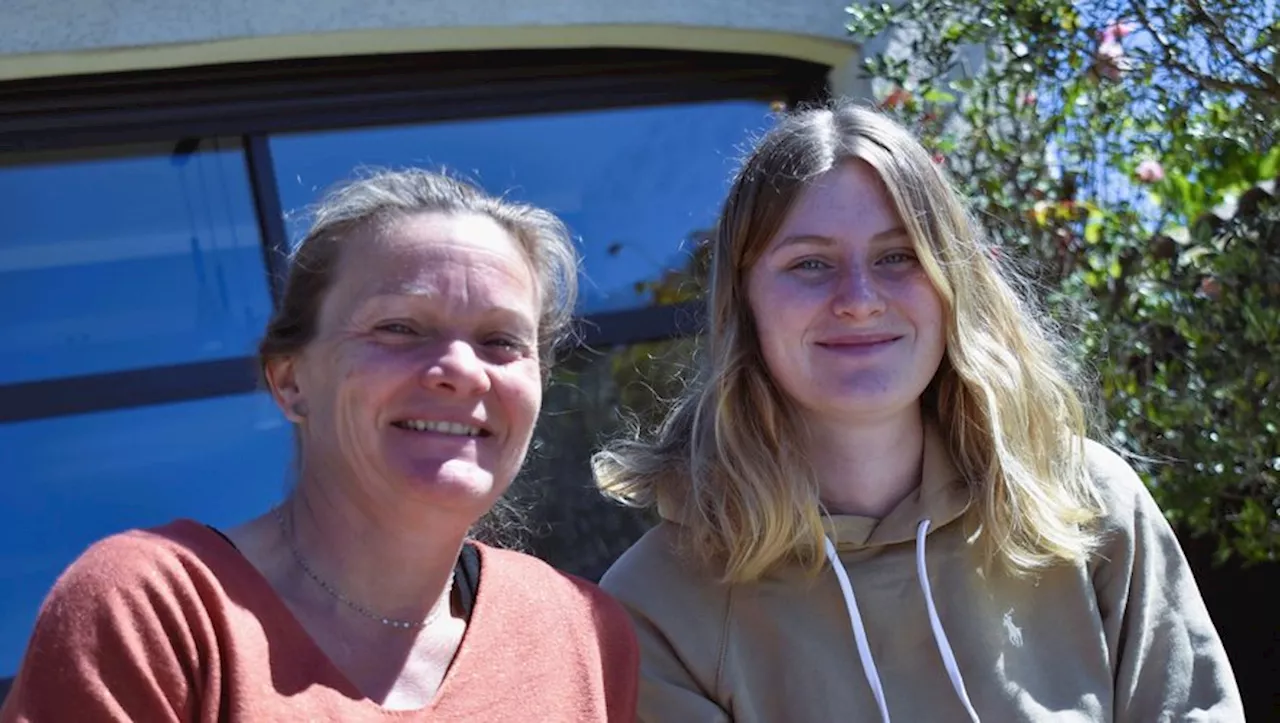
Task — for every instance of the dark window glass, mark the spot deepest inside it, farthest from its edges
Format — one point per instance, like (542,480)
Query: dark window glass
(127,258)
(637,186)
(69,481)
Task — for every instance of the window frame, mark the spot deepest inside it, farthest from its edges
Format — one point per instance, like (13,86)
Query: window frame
(252,101)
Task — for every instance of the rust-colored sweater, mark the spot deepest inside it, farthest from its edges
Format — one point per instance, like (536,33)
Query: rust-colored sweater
(174,624)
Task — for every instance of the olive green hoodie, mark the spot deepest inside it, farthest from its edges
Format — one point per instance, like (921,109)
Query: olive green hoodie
(1125,637)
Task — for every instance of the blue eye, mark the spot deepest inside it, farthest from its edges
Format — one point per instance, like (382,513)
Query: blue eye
(810,265)
(510,344)
(396,328)
(898,257)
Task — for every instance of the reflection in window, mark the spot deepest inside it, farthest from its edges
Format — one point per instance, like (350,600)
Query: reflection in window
(127,258)
(72,480)
(592,397)
(637,185)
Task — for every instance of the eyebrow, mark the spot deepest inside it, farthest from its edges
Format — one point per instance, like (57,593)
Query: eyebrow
(501,311)
(820,240)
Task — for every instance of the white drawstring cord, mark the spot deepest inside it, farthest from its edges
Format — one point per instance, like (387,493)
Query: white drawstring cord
(935,623)
(859,633)
(940,635)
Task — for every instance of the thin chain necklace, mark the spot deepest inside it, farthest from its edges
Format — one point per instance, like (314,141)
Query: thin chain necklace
(441,605)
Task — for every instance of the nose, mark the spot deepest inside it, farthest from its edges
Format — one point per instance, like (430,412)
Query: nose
(456,370)
(857,294)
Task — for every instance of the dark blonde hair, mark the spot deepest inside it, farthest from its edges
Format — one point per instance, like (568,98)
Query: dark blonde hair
(384,196)
(730,453)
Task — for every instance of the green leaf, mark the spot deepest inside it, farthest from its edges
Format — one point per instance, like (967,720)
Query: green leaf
(939,97)
(1269,168)
(1183,332)
(1093,233)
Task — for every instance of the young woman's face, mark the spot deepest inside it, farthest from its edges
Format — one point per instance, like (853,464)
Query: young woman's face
(850,326)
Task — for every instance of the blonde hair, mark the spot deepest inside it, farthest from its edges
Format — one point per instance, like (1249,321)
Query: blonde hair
(729,454)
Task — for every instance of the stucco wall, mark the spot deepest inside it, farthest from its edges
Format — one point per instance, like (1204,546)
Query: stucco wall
(39,37)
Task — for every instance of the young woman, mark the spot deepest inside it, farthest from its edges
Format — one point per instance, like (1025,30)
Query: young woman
(878,498)
(409,351)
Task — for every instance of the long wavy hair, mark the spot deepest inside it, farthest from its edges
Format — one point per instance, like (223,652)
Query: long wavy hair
(729,455)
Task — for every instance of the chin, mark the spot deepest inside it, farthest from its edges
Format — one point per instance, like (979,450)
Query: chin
(863,404)
(454,484)
(860,413)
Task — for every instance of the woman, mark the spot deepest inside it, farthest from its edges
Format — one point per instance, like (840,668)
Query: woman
(409,351)
(879,499)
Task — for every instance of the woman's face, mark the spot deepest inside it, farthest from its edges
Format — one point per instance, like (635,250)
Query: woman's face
(850,326)
(423,379)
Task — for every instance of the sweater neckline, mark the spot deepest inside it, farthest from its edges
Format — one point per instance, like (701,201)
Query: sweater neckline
(278,615)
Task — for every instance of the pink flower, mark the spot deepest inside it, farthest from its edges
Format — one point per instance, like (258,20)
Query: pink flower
(1115,32)
(1112,63)
(939,159)
(1150,171)
(1030,98)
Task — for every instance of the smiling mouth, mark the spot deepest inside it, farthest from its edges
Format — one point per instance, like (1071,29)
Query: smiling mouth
(456,429)
(870,342)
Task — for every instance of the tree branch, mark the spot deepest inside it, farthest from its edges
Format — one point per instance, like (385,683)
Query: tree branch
(1218,33)
(1208,82)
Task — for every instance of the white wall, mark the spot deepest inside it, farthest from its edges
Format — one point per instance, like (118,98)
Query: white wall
(53,37)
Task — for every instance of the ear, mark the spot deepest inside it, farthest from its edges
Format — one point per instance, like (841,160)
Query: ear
(282,378)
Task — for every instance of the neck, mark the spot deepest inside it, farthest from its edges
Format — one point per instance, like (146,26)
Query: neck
(867,470)
(394,562)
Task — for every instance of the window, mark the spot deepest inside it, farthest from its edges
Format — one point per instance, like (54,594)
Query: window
(133,285)
(637,186)
(127,258)
(72,480)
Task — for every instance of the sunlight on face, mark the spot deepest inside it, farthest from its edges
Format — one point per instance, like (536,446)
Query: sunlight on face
(423,379)
(849,324)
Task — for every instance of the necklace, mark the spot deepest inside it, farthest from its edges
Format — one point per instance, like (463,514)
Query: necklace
(442,604)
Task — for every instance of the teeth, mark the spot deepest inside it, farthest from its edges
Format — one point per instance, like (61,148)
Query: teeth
(456,428)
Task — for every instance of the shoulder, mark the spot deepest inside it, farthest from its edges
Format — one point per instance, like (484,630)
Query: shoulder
(163,576)
(1133,529)
(134,596)
(671,596)
(1126,501)
(557,630)
(544,591)
(658,565)
(160,558)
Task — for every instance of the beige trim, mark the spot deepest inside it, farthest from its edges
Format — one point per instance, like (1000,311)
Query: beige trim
(825,50)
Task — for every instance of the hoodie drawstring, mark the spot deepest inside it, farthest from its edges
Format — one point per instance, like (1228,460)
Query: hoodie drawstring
(859,632)
(935,623)
(940,635)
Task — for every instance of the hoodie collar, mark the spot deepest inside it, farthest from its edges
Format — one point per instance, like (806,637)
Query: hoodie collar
(941,497)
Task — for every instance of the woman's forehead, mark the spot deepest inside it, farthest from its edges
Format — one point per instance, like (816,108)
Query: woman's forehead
(431,256)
